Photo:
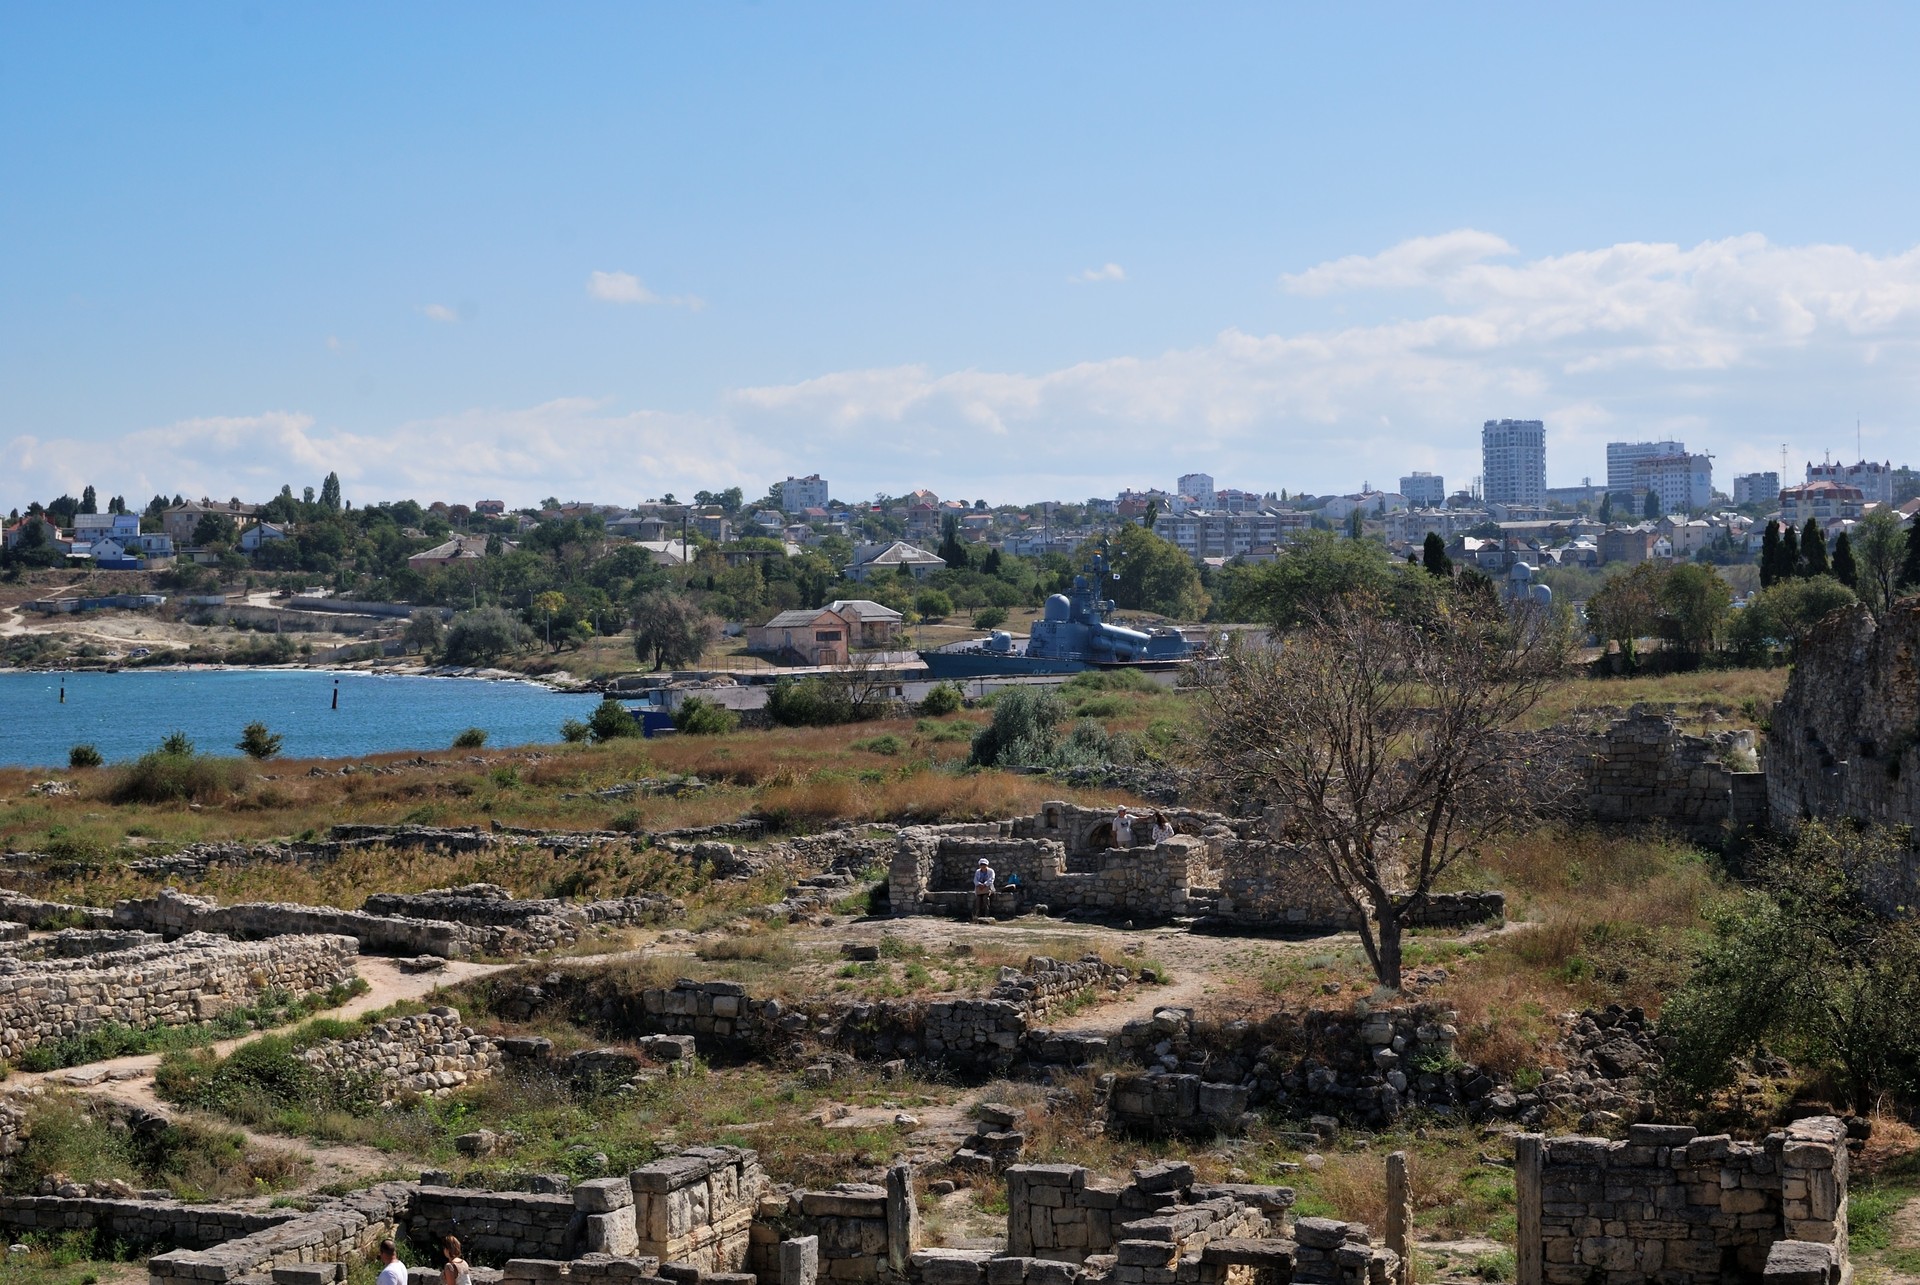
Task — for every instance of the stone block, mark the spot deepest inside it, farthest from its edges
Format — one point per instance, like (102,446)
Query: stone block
(800,1261)
(1796,1262)
(603,1195)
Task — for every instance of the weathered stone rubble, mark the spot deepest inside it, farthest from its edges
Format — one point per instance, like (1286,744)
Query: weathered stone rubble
(430,1054)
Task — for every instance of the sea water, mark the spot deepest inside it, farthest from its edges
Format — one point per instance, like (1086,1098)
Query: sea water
(126,714)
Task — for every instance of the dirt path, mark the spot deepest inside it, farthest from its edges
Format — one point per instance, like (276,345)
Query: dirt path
(129,1080)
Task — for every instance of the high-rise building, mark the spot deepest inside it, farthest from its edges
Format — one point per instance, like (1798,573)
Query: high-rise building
(1874,480)
(1513,461)
(1622,456)
(1756,488)
(1683,482)
(1197,487)
(1424,490)
(798,494)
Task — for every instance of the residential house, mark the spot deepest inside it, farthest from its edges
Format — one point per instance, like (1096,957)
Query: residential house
(1626,544)
(460,548)
(119,527)
(49,530)
(868,623)
(804,635)
(798,494)
(181,520)
(1824,502)
(261,533)
(870,560)
(490,508)
(668,553)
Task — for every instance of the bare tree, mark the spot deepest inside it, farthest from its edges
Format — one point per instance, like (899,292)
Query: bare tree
(1375,740)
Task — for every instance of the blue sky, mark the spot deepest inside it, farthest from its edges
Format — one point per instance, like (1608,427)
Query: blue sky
(1003,251)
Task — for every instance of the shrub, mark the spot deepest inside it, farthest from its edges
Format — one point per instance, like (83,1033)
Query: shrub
(888,745)
(989,617)
(1025,726)
(483,635)
(256,742)
(941,699)
(164,776)
(698,716)
(933,604)
(176,743)
(810,702)
(84,756)
(574,732)
(471,739)
(611,721)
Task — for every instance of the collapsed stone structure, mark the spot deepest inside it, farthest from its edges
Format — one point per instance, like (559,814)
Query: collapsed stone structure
(1645,770)
(426,1055)
(1215,868)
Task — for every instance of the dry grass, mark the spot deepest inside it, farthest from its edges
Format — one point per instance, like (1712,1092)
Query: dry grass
(1732,696)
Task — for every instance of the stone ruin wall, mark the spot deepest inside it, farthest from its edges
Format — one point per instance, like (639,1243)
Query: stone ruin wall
(426,1055)
(1645,770)
(1845,738)
(191,980)
(1670,1206)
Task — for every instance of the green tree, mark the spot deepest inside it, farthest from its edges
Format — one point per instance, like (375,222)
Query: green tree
(698,716)
(1877,546)
(256,742)
(1781,614)
(1154,575)
(215,529)
(1844,569)
(425,631)
(1606,508)
(82,756)
(989,617)
(89,503)
(933,604)
(1627,608)
(1313,572)
(670,629)
(1910,564)
(1770,569)
(1809,967)
(483,635)
(1789,551)
(1651,510)
(1694,604)
(330,493)
(1433,556)
(611,721)
(1813,551)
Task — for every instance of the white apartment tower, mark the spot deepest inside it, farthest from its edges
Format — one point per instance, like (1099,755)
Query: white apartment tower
(1623,456)
(1756,488)
(798,494)
(1683,482)
(1513,461)
(1424,490)
(1197,487)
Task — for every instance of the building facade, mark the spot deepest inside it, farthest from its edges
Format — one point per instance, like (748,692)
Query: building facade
(798,494)
(1624,457)
(1874,480)
(1424,490)
(1197,487)
(1756,488)
(1513,461)
(1684,483)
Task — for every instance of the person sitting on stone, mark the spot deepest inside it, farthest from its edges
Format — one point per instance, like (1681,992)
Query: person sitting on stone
(456,1271)
(983,890)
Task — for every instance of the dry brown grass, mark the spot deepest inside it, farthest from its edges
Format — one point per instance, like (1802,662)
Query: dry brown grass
(1724,693)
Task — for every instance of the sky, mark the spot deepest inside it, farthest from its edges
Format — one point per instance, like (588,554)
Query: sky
(1001,251)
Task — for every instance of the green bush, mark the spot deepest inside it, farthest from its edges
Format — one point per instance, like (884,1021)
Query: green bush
(611,721)
(575,732)
(1024,731)
(888,744)
(810,702)
(933,604)
(166,776)
(941,699)
(176,743)
(698,716)
(471,739)
(989,617)
(256,742)
(84,756)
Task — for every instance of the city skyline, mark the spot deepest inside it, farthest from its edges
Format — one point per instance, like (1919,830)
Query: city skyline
(648,250)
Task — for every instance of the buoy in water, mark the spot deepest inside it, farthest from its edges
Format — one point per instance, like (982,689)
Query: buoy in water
(336,693)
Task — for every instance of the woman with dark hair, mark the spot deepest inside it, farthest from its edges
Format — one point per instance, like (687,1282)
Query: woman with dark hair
(1162,828)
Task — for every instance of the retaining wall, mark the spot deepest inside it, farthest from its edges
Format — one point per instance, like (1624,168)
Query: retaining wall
(427,1055)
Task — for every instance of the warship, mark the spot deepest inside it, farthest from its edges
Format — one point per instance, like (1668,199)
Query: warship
(1071,635)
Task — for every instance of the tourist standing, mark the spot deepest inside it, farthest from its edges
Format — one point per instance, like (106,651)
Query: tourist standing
(1122,827)
(1162,829)
(456,1271)
(392,1270)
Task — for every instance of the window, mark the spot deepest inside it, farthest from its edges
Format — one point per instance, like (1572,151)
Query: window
(826,635)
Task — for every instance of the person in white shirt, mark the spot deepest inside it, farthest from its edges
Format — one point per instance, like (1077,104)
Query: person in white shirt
(983,890)
(1162,829)
(392,1270)
(1122,827)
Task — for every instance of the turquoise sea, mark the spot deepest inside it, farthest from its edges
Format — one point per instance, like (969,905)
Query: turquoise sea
(126,714)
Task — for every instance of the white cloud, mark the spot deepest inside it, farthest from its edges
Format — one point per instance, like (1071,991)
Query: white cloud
(1734,345)
(441,312)
(624,287)
(1106,272)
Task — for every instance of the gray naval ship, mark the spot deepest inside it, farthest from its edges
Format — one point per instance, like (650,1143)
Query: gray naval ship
(1071,635)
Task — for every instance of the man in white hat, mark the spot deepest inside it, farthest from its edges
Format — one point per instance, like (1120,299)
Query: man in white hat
(983,890)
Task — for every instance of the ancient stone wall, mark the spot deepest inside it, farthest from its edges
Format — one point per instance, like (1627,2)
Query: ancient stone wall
(139,1224)
(1670,1206)
(861,1231)
(427,1055)
(171,913)
(1268,885)
(1061,1214)
(1845,738)
(1647,770)
(349,1226)
(194,979)
(494,1225)
(697,1207)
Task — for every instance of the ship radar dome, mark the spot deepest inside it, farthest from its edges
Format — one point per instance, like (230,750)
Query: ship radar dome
(1059,607)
